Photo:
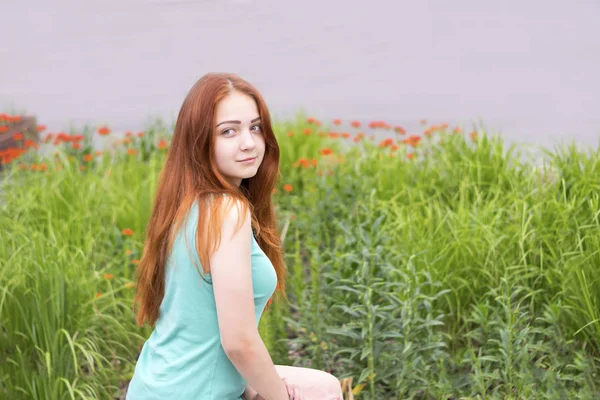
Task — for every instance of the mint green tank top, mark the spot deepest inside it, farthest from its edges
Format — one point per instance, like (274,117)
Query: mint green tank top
(183,358)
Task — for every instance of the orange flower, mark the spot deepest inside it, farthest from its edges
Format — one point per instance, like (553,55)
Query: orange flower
(16,118)
(386,142)
(379,124)
(132,152)
(290,134)
(41,128)
(88,158)
(394,147)
(29,143)
(135,261)
(98,294)
(76,145)
(140,134)
(457,130)
(287,187)
(474,135)
(99,153)
(127,232)
(337,121)
(43,167)
(310,120)
(3,128)
(399,130)
(345,135)
(307,131)
(355,124)
(104,130)
(334,135)
(108,276)
(18,136)
(13,152)
(410,156)
(326,151)
(304,162)
(412,140)
(128,134)
(162,144)
(357,139)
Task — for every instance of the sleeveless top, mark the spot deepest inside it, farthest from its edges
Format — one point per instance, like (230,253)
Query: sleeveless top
(183,358)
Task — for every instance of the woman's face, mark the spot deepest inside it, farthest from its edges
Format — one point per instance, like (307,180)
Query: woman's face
(239,141)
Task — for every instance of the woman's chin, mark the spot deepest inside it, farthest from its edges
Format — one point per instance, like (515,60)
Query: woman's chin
(247,175)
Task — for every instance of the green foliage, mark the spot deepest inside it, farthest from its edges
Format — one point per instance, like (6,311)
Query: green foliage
(466,272)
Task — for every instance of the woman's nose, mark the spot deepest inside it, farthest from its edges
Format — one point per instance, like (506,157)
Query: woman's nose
(247,140)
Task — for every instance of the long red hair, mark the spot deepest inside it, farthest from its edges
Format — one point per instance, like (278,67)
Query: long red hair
(189,175)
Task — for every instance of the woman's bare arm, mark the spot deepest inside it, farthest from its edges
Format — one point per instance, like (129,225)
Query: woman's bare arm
(232,282)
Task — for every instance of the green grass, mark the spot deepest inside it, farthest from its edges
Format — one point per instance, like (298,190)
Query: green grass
(468,272)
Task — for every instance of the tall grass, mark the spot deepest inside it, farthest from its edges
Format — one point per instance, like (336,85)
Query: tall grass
(465,271)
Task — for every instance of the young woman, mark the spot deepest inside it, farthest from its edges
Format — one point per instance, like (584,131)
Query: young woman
(213,258)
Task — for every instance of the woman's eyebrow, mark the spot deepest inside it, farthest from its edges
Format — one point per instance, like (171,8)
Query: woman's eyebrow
(236,121)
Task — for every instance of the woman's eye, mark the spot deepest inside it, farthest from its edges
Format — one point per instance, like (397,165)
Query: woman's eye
(257,128)
(228,132)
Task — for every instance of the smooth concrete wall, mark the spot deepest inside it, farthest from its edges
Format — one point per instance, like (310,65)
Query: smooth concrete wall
(526,68)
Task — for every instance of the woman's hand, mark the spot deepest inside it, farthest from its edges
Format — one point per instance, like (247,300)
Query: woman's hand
(295,391)
(249,394)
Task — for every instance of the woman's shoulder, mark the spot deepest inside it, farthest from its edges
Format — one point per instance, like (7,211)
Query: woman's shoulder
(235,214)
(230,211)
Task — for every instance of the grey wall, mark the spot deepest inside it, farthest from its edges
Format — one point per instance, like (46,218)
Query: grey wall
(526,67)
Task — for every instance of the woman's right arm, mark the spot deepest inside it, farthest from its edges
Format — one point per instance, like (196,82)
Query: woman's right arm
(231,272)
